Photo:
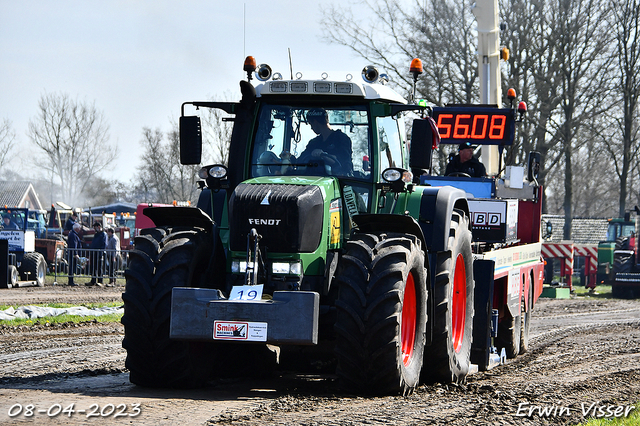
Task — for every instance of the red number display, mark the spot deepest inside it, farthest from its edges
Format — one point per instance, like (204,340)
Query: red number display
(475,126)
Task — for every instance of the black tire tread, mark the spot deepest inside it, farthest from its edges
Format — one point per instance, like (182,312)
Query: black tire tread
(371,279)
(156,267)
(31,262)
(444,364)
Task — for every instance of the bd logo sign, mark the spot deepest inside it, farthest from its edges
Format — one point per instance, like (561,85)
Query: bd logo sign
(487,219)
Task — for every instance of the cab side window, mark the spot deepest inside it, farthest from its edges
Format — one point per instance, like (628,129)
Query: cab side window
(390,143)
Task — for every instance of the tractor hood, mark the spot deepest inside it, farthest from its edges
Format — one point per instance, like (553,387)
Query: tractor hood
(290,213)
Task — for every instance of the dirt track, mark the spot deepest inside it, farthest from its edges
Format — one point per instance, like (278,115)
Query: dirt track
(584,352)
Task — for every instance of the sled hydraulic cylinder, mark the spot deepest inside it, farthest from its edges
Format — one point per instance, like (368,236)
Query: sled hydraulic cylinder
(494,323)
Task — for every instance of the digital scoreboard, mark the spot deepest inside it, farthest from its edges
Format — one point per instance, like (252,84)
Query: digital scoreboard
(477,125)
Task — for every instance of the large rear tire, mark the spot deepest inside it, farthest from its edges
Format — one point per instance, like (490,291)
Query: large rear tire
(447,359)
(34,267)
(381,314)
(160,261)
(623,261)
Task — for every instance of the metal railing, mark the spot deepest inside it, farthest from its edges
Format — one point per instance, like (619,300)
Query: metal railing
(96,264)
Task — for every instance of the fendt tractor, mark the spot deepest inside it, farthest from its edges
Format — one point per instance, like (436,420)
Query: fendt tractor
(389,277)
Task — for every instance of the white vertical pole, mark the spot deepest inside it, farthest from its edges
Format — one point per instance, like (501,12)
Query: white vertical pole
(486,13)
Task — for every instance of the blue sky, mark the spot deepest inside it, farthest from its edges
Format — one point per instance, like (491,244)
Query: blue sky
(139,60)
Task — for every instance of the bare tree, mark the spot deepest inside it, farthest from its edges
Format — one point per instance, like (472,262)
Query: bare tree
(397,35)
(73,137)
(216,133)
(624,145)
(560,65)
(532,69)
(161,178)
(584,66)
(7,142)
(440,32)
(593,195)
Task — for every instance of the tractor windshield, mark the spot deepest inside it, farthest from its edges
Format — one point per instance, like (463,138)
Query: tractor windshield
(295,140)
(13,219)
(620,229)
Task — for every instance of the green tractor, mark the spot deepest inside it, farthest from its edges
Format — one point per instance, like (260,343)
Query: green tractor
(318,238)
(618,262)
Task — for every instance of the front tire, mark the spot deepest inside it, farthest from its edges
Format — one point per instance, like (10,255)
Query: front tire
(381,314)
(12,277)
(34,267)
(160,261)
(448,356)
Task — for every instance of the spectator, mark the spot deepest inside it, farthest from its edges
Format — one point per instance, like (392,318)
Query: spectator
(97,246)
(74,244)
(68,226)
(113,253)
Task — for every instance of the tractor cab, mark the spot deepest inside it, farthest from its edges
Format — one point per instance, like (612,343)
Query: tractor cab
(620,228)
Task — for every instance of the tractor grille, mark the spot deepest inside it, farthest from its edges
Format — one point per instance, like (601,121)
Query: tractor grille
(289,217)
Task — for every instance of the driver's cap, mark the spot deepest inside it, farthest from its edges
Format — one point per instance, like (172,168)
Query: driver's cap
(318,114)
(465,145)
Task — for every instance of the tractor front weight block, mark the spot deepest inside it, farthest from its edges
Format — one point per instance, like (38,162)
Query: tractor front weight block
(291,317)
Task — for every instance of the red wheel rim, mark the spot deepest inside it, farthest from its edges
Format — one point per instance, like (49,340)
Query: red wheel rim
(408,327)
(459,303)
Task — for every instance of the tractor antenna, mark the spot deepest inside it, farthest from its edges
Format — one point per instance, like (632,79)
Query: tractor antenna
(290,63)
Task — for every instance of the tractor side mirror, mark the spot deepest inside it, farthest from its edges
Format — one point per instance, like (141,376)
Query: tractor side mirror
(421,145)
(190,140)
(533,168)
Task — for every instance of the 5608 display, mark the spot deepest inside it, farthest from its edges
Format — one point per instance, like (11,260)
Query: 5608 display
(481,125)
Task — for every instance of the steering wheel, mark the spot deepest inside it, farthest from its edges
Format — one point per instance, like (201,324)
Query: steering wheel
(309,162)
(459,174)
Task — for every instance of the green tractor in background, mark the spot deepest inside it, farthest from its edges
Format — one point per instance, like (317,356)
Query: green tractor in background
(618,262)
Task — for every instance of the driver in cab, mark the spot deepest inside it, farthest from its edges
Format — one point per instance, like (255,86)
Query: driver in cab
(331,146)
(465,164)
(8,223)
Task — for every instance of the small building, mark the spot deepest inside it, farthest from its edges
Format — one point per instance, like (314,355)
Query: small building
(19,194)
(583,230)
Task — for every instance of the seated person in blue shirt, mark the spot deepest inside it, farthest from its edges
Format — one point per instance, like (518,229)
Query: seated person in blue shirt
(7,223)
(331,146)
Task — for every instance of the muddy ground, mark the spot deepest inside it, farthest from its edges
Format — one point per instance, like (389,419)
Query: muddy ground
(584,361)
